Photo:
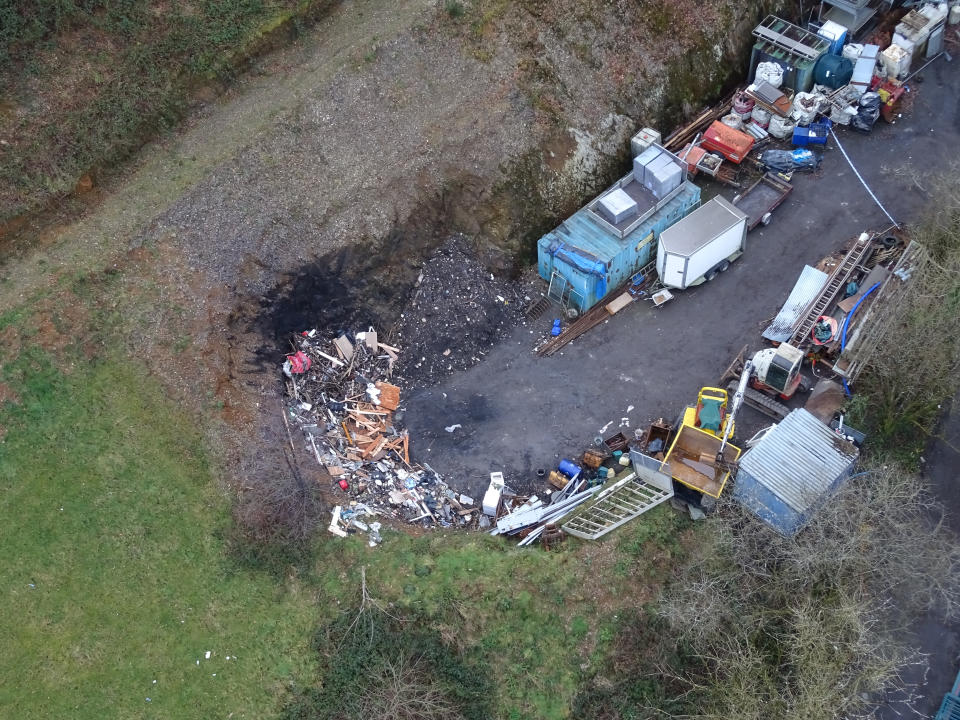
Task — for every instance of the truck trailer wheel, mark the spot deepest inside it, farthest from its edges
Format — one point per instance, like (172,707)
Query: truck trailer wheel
(722,267)
(710,275)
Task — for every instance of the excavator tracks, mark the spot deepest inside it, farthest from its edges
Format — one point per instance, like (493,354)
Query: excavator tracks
(762,402)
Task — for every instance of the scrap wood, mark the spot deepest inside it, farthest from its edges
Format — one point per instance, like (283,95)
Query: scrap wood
(619,303)
(389,395)
(335,361)
(335,523)
(590,319)
(370,412)
(354,439)
(376,448)
(682,135)
(344,347)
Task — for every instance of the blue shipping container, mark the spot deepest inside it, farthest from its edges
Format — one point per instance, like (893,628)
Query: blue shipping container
(594,257)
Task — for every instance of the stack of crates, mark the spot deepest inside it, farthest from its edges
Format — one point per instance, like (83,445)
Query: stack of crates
(950,709)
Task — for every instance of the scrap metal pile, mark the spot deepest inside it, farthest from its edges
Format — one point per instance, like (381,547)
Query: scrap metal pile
(339,395)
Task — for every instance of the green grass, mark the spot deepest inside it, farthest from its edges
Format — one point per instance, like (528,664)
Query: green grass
(529,614)
(113,574)
(116,572)
(140,63)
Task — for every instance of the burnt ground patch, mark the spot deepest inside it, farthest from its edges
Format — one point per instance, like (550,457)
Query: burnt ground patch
(433,296)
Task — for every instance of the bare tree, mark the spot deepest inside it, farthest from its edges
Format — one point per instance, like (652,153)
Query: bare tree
(402,690)
(916,365)
(798,627)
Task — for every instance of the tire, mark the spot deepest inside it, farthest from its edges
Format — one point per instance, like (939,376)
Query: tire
(724,266)
(709,275)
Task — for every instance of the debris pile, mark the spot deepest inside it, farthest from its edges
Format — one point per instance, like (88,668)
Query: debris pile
(339,395)
(529,519)
(458,311)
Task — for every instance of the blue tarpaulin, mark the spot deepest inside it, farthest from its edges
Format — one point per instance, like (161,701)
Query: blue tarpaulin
(582,261)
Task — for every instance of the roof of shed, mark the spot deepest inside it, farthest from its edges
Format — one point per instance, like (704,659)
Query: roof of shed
(799,460)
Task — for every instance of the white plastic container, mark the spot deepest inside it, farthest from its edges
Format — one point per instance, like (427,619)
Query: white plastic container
(761,117)
(896,61)
(491,498)
(644,139)
(733,120)
(852,51)
(805,106)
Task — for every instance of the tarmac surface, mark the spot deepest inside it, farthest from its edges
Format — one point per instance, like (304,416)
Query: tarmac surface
(519,412)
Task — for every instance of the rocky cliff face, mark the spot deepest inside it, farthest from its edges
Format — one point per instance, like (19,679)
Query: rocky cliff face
(590,74)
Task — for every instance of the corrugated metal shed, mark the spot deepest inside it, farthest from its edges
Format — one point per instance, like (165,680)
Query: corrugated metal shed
(792,471)
(621,257)
(808,287)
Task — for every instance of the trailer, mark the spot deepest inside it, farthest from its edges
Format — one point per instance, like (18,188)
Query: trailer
(701,245)
(760,199)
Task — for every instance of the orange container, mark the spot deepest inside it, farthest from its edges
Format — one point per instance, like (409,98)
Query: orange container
(693,156)
(732,144)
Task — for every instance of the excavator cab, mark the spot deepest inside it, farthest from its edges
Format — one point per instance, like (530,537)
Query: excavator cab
(779,369)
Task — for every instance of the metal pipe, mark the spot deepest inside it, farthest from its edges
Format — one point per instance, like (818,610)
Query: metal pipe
(922,67)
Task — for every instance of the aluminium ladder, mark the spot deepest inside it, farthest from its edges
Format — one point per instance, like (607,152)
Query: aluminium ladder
(838,280)
(620,503)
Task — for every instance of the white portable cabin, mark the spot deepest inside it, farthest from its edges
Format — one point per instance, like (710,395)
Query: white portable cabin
(696,247)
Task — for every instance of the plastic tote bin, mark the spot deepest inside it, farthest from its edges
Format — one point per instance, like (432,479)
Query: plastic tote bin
(835,33)
(812,134)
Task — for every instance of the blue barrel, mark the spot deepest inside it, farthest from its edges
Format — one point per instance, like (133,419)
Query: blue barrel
(568,468)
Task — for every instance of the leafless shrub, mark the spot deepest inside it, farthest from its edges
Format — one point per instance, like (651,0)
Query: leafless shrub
(916,365)
(277,507)
(797,627)
(402,690)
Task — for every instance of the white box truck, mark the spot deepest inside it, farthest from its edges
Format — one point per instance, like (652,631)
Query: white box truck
(702,244)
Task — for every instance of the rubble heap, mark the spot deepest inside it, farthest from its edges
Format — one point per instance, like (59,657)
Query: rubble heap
(340,397)
(457,312)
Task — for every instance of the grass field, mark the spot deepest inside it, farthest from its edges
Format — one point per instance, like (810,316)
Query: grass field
(114,579)
(116,572)
(84,84)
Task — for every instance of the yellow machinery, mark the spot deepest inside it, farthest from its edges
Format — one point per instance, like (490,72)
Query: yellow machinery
(710,413)
(699,456)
